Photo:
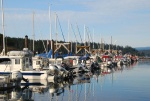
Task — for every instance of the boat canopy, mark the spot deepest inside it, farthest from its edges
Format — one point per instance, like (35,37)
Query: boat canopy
(105,56)
(72,57)
(56,55)
(84,58)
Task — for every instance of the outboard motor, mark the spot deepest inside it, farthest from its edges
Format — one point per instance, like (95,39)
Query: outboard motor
(63,72)
(64,65)
(53,69)
(94,66)
(16,76)
(85,67)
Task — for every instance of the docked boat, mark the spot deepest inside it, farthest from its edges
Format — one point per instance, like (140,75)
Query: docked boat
(54,68)
(107,62)
(21,61)
(74,63)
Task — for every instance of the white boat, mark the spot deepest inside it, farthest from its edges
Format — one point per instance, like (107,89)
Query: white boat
(54,68)
(75,63)
(21,61)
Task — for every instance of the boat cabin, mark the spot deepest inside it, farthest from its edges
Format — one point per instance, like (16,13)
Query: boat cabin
(16,61)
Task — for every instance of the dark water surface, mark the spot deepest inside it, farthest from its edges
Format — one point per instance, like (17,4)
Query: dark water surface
(127,83)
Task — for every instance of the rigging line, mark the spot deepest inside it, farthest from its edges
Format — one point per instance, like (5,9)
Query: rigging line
(74,33)
(6,64)
(79,33)
(90,34)
(60,28)
(44,44)
(87,33)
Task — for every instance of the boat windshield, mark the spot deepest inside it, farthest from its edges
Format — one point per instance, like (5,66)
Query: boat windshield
(5,61)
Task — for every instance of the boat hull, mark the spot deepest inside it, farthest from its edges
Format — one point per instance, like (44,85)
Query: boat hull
(31,74)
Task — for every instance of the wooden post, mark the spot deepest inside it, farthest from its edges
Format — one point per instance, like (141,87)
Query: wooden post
(26,41)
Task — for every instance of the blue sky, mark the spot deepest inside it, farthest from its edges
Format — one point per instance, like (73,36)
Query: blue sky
(127,21)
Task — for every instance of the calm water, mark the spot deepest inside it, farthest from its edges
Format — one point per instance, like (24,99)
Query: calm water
(128,83)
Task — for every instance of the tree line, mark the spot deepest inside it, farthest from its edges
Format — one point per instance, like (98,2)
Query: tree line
(40,46)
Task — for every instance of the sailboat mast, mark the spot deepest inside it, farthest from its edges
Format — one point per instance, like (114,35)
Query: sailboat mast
(33,30)
(50,22)
(56,28)
(101,43)
(84,40)
(3,28)
(68,30)
(69,40)
(110,45)
(93,38)
(84,37)
(111,42)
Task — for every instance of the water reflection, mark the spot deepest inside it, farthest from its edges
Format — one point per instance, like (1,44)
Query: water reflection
(95,85)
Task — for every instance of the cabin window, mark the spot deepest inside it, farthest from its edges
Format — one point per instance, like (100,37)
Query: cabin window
(17,61)
(5,61)
(51,62)
(37,62)
(58,62)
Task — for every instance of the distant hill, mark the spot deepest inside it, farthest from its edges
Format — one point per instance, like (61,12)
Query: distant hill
(142,48)
(145,50)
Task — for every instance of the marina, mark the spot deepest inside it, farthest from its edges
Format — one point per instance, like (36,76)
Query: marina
(87,68)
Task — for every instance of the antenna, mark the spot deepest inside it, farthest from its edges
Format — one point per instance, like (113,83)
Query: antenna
(79,32)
